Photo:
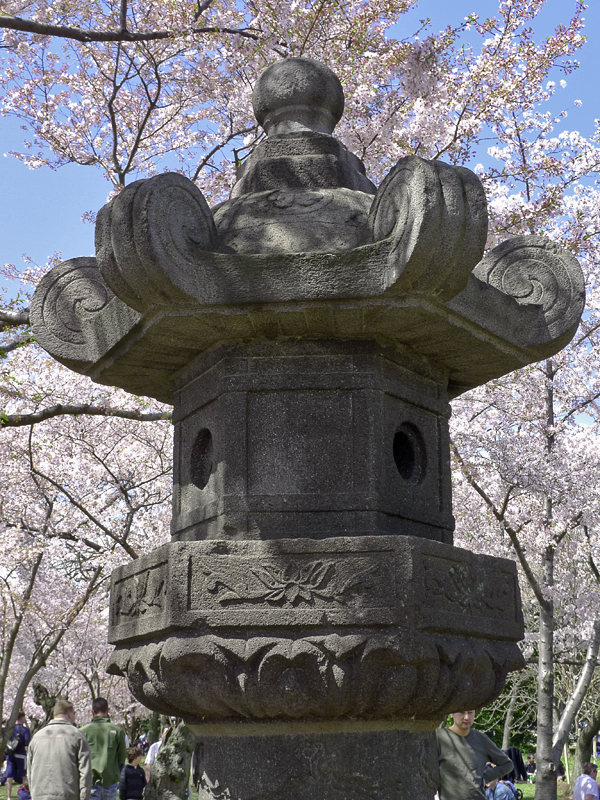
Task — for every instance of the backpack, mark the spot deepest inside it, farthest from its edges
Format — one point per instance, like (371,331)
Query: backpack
(517,792)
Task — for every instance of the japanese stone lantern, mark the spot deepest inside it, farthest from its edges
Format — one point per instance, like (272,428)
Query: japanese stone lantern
(311,619)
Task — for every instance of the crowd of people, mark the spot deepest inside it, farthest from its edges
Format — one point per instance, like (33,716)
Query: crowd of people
(63,762)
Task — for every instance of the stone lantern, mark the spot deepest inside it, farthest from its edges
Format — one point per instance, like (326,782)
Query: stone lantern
(311,619)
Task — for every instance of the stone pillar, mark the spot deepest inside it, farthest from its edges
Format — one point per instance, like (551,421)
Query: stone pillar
(310,620)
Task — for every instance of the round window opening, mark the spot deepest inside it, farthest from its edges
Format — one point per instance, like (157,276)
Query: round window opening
(409,454)
(202,457)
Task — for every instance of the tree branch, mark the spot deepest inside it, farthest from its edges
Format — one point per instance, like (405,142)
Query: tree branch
(20,420)
(572,707)
(86,36)
(202,7)
(123,16)
(14,318)
(513,533)
(8,347)
(43,652)
(76,504)
(14,631)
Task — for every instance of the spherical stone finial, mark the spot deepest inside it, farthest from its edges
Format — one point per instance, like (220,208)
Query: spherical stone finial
(298,94)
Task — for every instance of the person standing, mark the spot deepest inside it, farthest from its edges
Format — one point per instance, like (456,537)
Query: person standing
(530,768)
(586,787)
(463,754)
(133,778)
(153,751)
(58,760)
(108,748)
(16,760)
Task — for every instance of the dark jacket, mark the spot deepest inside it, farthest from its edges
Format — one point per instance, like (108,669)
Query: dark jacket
(519,773)
(132,783)
(22,733)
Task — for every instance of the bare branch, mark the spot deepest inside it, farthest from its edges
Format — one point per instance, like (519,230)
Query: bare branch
(86,36)
(219,146)
(568,715)
(20,420)
(500,515)
(42,653)
(202,7)
(13,319)
(76,504)
(123,16)
(8,347)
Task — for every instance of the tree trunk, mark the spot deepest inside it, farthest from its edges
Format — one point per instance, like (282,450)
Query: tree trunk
(585,743)
(510,715)
(545,780)
(154,728)
(171,771)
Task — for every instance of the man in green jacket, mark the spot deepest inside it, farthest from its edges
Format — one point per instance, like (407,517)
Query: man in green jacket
(109,750)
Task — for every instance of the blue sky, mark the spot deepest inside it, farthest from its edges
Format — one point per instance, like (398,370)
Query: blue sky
(41,210)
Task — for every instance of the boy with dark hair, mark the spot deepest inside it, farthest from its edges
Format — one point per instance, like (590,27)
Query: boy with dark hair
(133,778)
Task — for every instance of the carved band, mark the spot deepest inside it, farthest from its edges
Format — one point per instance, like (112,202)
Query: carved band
(320,677)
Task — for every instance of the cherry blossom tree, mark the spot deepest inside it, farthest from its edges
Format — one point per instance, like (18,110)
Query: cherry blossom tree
(81,493)
(131,88)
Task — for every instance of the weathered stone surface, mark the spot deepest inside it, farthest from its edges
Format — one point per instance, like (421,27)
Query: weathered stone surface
(303,160)
(314,220)
(343,766)
(169,779)
(148,237)
(435,218)
(310,332)
(368,627)
(325,438)
(297,94)
(75,315)
(536,271)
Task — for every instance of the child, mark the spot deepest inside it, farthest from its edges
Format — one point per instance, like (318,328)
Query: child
(133,778)
(23,791)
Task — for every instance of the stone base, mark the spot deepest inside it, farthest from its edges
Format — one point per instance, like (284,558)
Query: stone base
(376,765)
(350,628)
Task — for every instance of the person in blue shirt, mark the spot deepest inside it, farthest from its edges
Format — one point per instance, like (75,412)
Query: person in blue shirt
(496,790)
(16,766)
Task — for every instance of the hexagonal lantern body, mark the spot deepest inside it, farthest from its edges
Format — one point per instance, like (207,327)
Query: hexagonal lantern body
(311,439)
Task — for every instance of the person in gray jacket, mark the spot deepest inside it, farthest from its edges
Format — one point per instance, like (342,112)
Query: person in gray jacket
(465,759)
(59,764)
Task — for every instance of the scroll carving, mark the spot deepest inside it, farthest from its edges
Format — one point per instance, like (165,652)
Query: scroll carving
(435,217)
(150,237)
(536,271)
(69,294)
